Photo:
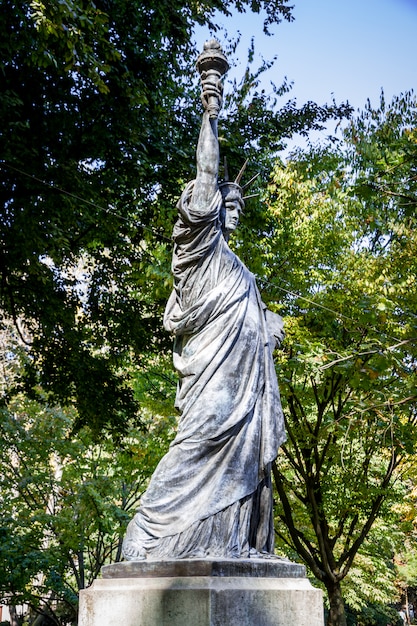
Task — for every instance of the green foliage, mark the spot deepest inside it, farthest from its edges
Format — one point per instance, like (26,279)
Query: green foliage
(341,256)
(375,614)
(65,501)
(94,111)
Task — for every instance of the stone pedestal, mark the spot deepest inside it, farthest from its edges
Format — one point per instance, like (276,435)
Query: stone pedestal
(255,592)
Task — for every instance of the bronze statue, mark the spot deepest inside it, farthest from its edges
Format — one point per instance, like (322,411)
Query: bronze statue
(211,495)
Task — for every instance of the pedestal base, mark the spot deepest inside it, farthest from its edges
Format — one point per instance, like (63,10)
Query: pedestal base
(202,593)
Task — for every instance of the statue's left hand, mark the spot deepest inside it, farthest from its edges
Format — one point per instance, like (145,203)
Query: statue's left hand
(275,326)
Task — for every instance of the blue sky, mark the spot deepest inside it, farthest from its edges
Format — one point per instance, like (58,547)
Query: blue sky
(346,49)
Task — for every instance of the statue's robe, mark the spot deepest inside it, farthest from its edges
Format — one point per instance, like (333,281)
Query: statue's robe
(211,493)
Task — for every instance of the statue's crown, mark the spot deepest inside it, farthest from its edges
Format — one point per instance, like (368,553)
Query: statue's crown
(227,186)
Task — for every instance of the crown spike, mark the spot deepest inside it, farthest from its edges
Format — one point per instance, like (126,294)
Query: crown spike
(246,185)
(239,176)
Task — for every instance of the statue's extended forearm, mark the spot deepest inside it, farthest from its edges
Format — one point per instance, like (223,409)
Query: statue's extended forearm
(207,163)
(211,64)
(208,148)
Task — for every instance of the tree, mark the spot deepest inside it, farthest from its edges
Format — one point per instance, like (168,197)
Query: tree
(98,126)
(66,499)
(341,250)
(65,502)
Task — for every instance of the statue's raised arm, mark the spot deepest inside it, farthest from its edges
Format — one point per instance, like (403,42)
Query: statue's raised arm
(211,65)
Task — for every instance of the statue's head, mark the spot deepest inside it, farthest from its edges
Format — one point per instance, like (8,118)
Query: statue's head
(232,206)
(233,202)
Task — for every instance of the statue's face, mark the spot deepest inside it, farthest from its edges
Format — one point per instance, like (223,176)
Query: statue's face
(232,209)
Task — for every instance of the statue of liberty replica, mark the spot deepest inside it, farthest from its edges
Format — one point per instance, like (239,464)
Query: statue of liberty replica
(211,495)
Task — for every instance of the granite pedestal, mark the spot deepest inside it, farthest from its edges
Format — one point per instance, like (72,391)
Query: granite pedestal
(253,592)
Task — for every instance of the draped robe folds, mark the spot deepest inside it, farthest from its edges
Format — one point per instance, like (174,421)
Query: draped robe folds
(211,493)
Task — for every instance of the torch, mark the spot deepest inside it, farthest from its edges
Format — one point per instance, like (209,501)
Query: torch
(212,65)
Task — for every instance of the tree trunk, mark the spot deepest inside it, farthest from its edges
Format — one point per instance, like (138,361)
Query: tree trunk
(13,616)
(337,615)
